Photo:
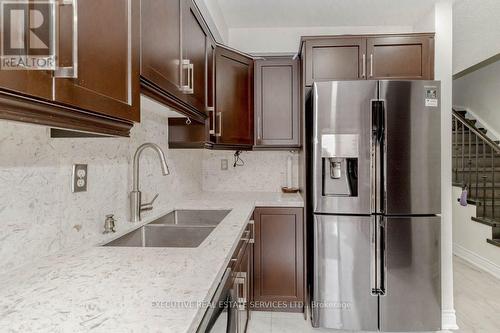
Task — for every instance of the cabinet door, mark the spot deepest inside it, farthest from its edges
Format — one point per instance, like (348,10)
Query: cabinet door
(193,55)
(401,57)
(277,103)
(279,259)
(106,42)
(161,44)
(234,98)
(29,82)
(335,59)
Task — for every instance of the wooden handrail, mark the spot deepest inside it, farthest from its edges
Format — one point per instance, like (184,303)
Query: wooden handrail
(474,130)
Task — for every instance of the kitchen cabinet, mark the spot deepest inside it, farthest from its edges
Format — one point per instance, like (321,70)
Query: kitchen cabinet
(279,259)
(173,68)
(160,44)
(401,57)
(335,59)
(96,86)
(106,65)
(277,103)
(369,57)
(234,99)
(194,52)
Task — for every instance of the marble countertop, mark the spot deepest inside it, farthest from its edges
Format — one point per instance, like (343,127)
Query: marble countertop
(118,289)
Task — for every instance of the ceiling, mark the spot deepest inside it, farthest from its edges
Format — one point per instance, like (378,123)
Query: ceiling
(318,13)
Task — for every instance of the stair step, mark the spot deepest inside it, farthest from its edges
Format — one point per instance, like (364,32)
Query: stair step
(461,112)
(495,242)
(486,221)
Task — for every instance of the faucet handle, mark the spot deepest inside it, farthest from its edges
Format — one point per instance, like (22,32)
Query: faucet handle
(149,205)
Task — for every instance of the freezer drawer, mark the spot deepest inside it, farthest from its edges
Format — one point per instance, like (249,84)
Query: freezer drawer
(342,291)
(412,300)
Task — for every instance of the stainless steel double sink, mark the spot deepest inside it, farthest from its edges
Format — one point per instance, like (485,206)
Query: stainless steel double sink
(180,228)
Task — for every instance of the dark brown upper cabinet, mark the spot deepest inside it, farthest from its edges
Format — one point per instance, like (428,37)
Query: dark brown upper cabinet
(95,87)
(401,57)
(234,99)
(370,57)
(174,51)
(194,52)
(103,52)
(277,103)
(278,272)
(335,59)
(161,44)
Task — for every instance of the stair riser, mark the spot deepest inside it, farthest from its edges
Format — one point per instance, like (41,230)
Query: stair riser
(488,213)
(457,137)
(457,150)
(481,195)
(481,162)
(472,177)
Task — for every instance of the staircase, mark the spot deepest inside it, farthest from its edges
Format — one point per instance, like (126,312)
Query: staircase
(476,164)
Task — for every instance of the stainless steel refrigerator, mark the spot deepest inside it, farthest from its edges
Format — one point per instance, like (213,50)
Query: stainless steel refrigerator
(376,199)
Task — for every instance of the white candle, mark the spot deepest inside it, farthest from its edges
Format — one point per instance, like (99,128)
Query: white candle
(289,171)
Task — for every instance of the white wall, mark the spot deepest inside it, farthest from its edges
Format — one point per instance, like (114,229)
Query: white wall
(38,213)
(476,33)
(469,238)
(214,17)
(287,40)
(263,171)
(478,92)
(443,72)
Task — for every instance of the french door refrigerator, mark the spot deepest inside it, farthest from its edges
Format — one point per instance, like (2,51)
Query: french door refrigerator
(376,199)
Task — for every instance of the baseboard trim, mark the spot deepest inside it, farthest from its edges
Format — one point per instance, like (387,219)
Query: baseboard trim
(449,320)
(477,260)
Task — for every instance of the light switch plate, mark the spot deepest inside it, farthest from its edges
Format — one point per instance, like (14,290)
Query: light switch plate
(224,164)
(79,183)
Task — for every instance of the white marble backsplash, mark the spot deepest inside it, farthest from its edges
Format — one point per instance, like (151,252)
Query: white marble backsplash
(38,213)
(263,171)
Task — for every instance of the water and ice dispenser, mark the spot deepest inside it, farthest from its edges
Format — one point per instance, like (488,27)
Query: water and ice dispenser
(340,155)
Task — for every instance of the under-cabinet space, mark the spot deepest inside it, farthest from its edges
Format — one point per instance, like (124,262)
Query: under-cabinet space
(186,133)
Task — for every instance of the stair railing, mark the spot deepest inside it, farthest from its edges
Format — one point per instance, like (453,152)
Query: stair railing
(467,167)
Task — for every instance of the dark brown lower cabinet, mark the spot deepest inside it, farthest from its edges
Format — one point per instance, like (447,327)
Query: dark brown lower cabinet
(278,259)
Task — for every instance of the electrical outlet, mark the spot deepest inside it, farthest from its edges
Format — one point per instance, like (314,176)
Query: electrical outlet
(224,164)
(79,183)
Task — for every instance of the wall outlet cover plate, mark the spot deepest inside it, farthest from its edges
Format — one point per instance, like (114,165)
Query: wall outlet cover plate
(79,183)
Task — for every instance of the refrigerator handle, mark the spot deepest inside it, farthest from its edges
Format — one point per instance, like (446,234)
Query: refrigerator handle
(378,266)
(383,259)
(378,119)
(373,257)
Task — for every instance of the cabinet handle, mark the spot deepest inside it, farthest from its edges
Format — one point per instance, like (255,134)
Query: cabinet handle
(212,122)
(219,134)
(252,240)
(68,72)
(364,65)
(186,65)
(371,65)
(259,130)
(191,69)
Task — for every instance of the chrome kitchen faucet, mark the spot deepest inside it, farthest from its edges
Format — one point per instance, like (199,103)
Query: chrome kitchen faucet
(136,207)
